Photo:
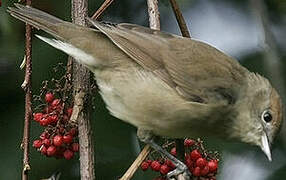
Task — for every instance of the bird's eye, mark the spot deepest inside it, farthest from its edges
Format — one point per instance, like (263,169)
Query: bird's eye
(266,116)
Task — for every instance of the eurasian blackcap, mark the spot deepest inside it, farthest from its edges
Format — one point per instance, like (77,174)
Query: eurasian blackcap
(166,84)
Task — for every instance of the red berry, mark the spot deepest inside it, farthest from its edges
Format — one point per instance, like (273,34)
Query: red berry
(144,166)
(205,170)
(49,120)
(189,142)
(44,135)
(195,154)
(68,154)
(149,161)
(155,166)
(173,151)
(170,163)
(69,112)
(55,103)
(213,165)
(164,169)
(201,162)
(197,171)
(67,139)
(43,150)
(37,143)
(75,147)
(73,131)
(51,150)
(53,118)
(49,97)
(46,142)
(58,140)
(44,122)
(189,163)
(38,116)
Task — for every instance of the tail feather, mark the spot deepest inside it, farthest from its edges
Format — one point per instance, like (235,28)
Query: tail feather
(83,43)
(36,18)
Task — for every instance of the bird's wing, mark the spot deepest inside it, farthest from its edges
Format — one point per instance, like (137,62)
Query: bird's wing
(197,71)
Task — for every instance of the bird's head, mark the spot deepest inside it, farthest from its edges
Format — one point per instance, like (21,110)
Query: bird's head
(259,114)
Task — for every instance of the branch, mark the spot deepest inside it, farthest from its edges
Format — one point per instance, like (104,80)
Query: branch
(82,107)
(135,165)
(154,15)
(102,8)
(180,19)
(28,98)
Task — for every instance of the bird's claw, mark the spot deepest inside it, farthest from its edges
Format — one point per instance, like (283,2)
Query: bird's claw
(180,169)
(147,137)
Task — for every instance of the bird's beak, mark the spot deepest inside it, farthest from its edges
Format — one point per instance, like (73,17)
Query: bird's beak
(265,146)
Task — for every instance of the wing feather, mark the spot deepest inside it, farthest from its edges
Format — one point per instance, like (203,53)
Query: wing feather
(196,70)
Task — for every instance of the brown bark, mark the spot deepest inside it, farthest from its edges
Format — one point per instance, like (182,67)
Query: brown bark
(82,100)
(28,98)
(154,15)
(180,19)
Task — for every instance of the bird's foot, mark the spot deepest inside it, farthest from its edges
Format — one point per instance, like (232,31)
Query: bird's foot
(183,170)
(147,137)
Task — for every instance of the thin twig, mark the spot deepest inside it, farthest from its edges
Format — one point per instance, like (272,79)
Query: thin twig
(81,84)
(28,100)
(140,158)
(69,71)
(102,8)
(154,15)
(180,19)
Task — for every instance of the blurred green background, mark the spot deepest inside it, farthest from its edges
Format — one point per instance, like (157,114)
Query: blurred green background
(229,25)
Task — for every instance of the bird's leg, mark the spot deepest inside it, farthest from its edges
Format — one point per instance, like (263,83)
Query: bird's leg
(147,137)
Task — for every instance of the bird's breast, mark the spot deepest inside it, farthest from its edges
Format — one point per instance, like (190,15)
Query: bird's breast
(140,98)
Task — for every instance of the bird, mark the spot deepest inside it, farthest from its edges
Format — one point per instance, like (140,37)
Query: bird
(167,85)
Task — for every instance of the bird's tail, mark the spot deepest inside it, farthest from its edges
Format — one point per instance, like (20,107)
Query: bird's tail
(75,40)
(36,18)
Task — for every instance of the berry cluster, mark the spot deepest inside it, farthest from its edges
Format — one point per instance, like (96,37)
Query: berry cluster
(158,165)
(52,112)
(58,146)
(202,165)
(59,138)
